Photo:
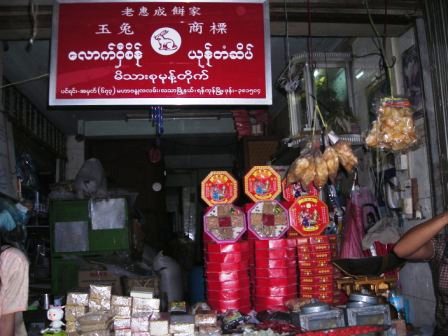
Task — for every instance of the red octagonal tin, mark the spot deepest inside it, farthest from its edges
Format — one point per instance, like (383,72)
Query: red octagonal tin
(262,183)
(224,223)
(219,187)
(308,215)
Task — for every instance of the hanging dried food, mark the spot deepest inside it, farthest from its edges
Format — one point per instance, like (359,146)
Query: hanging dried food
(308,175)
(298,168)
(394,128)
(331,158)
(345,154)
(321,176)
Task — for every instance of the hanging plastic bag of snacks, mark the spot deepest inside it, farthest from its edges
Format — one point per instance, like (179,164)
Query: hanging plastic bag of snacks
(394,128)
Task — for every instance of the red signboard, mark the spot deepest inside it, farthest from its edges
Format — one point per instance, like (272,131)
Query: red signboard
(160,53)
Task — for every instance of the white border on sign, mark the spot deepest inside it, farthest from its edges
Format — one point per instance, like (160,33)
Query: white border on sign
(53,101)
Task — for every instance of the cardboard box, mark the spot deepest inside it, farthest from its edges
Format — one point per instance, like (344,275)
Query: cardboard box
(97,277)
(149,282)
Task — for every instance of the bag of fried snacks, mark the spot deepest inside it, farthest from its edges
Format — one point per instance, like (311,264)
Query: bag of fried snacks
(394,128)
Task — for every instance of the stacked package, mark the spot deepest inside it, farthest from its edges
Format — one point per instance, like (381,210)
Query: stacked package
(339,296)
(143,307)
(316,271)
(76,306)
(181,325)
(159,324)
(227,278)
(121,308)
(206,321)
(99,298)
(96,323)
(275,279)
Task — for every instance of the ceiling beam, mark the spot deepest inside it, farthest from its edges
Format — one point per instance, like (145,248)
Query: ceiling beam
(117,128)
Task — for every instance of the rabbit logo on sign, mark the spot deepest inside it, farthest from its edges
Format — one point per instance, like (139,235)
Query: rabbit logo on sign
(166,41)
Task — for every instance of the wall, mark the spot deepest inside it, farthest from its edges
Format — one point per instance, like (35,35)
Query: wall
(415,278)
(7,155)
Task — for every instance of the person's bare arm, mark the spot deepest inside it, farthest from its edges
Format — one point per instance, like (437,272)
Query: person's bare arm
(7,325)
(416,243)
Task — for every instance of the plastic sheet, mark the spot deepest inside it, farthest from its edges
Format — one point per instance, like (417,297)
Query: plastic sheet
(354,223)
(71,236)
(108,213)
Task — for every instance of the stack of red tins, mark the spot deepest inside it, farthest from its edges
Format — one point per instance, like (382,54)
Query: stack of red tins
(226,256)
(316,272)
(227,276)
(275,280)
(273,261)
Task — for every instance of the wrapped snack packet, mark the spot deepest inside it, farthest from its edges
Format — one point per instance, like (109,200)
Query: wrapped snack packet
(140,322)
(121,301)
(73,312)
(205,318)
(77,299)
(100,296)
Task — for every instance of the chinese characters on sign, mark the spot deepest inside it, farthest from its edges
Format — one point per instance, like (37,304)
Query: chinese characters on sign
(160,53)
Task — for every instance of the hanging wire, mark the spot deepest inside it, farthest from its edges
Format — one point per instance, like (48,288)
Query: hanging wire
(24,81)
(34,9)
(309,41)
(380,44)
(287,48)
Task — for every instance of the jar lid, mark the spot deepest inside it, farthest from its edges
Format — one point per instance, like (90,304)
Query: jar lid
(357,304)
(369,299)
(314,307)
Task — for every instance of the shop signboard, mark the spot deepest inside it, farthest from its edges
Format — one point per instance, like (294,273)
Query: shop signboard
(160,53)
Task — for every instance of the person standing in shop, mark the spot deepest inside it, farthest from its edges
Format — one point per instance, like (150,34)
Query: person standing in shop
(427,242)
(14,276)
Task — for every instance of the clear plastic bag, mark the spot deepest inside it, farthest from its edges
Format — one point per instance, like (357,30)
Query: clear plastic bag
(394,128)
